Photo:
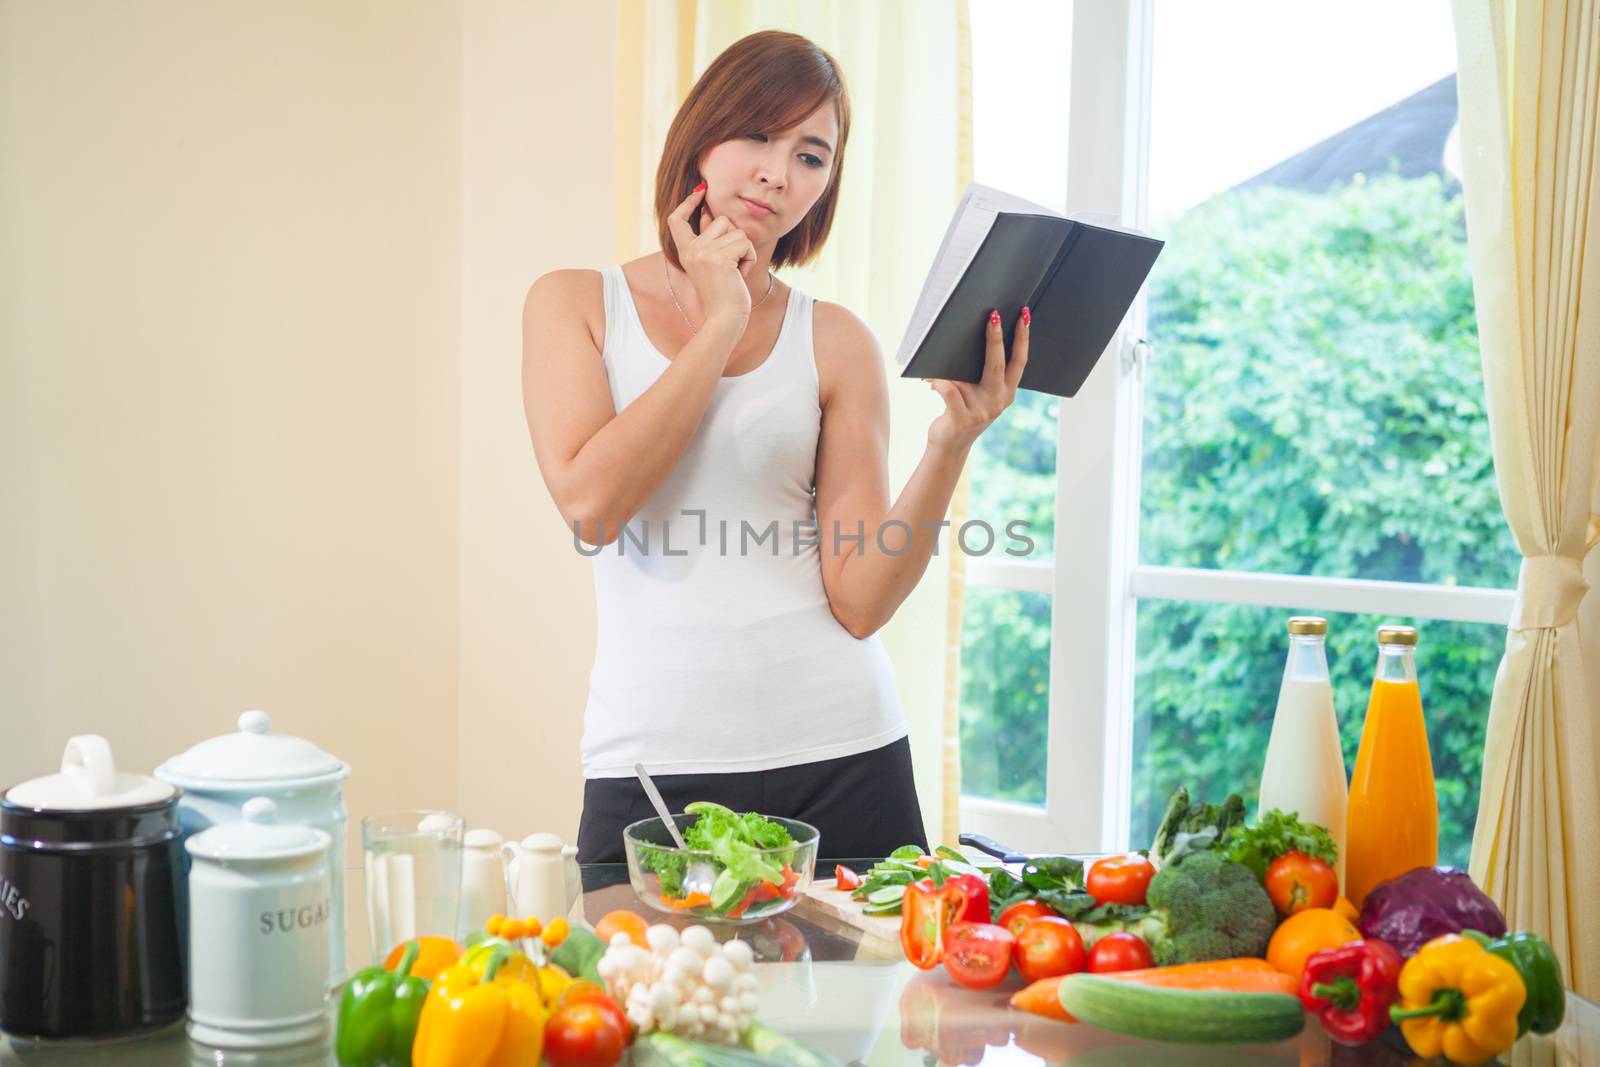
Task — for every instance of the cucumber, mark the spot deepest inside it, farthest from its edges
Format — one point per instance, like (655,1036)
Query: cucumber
(1187,1016)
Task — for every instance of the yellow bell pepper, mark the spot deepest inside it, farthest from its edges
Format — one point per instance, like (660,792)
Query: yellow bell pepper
(516,966)
(492,1019)
(553,981)
(1458,1000)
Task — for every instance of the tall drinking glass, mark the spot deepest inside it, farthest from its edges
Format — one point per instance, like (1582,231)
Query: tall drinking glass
(413,864)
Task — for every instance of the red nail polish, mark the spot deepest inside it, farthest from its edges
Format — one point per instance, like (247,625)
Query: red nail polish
(994,318)
(699,187)
(1027,317)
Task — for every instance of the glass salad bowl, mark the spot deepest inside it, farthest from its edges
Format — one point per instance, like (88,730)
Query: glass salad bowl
(740,878)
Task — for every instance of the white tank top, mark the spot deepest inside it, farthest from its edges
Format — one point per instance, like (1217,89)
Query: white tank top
(716,649)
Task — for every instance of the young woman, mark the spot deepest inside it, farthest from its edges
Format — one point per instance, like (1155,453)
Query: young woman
(714,410)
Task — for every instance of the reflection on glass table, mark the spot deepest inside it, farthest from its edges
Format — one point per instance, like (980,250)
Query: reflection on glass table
(855,998)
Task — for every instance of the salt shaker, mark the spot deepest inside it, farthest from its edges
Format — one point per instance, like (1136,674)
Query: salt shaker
(483,880)
(536,878)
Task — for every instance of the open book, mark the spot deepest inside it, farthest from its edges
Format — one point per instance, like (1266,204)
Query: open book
(1000,251)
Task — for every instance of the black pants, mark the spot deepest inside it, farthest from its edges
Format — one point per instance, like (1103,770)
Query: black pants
(864,806)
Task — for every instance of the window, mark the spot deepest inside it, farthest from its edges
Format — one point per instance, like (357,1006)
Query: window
(1292,420)
(1006,620)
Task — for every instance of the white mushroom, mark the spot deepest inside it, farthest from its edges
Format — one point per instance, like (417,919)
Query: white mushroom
(740,954)
(718,973)
(662,938)
(700,939)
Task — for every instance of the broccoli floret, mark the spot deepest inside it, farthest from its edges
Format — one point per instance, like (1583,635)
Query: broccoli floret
(1211,908)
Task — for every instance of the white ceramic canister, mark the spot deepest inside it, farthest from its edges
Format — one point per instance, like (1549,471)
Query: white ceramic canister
(259,910)
(536,879)
(218,775)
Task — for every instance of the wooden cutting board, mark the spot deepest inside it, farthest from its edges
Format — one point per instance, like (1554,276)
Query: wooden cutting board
(832,905)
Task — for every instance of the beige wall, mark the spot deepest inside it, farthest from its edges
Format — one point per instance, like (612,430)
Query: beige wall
(537,180)
(230,276)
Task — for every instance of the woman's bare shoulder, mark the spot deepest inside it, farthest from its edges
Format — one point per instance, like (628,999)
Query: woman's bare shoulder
(565,295)
(847,351)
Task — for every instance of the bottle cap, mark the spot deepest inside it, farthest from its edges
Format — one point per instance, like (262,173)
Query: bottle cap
(1397,635)
(1308,624)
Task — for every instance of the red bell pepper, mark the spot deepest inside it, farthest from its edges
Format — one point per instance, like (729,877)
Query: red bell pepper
(926,913)
(846,879)
(1351,987)
(976,908)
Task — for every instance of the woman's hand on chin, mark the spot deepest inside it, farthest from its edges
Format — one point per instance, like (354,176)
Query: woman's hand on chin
(969,408)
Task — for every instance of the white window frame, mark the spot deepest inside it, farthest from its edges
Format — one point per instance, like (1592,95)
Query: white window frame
(1095,579)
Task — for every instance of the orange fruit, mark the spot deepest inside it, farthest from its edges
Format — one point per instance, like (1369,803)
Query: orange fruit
(436,954)
(622,921)
(1347,909)
(1307,932)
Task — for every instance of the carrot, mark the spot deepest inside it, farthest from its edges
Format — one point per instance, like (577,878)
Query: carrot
(1243,975)
(1042,998)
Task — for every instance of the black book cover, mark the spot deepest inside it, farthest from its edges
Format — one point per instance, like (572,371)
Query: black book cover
(1078,280)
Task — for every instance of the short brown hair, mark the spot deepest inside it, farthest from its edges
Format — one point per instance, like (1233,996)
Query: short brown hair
(770,80)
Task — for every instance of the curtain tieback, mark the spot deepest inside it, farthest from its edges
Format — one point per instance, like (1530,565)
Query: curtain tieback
(1549,590)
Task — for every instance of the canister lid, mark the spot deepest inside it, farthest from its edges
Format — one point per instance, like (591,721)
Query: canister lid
(253,754)
(257,836)
(88,781)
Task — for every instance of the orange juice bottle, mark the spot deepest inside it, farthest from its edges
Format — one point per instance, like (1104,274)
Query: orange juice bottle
(1393,821)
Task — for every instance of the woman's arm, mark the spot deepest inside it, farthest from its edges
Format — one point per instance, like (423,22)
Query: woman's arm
(601,466)
(866,584)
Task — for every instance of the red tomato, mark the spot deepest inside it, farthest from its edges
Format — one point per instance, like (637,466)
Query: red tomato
(1120,951)
(1120,879)
(1296,881)
(978,955)
(584,991)
(1024,912)
(1049,947)
(583,1035)
(846,879)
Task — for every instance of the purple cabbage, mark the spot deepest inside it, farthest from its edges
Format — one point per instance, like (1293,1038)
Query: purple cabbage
(1422,904)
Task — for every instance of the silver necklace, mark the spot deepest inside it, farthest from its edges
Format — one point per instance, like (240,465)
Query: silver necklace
(692,328)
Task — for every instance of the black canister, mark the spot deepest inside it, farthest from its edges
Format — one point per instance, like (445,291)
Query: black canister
(91,884)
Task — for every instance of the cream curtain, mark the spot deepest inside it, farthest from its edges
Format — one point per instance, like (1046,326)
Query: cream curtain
(1529,89)
(907,66)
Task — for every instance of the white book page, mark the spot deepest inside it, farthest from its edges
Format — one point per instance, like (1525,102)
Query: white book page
(972,222)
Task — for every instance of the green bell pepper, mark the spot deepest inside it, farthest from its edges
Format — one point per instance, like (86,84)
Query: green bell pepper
(378,1014)
(1536,962)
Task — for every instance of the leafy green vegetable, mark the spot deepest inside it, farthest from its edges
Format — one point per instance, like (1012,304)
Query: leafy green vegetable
(884,883)
(579,955)
(1190,828)
(1275,833)
(1047,878)
(736,843)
